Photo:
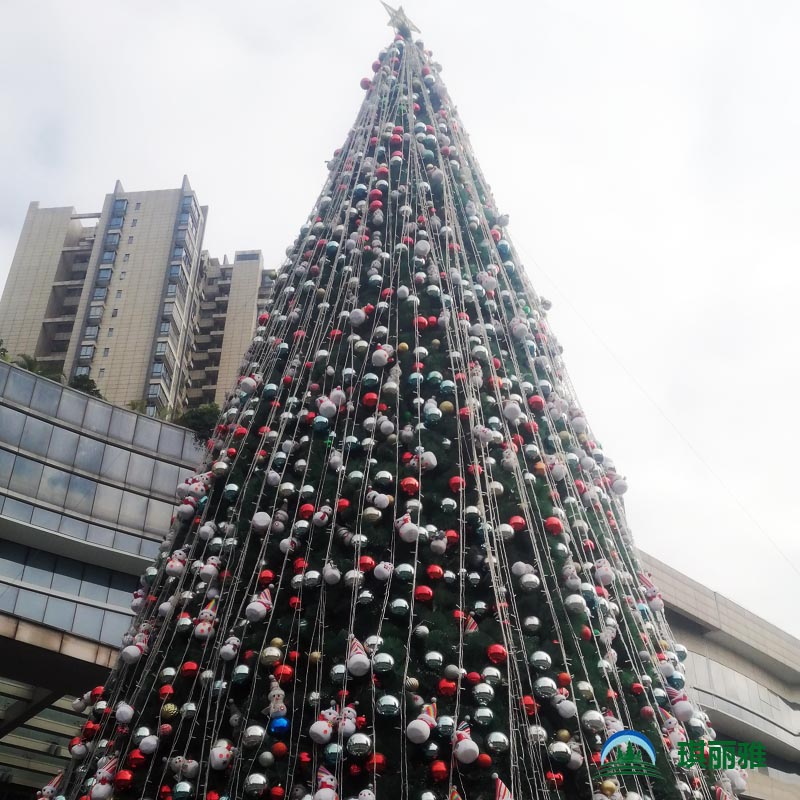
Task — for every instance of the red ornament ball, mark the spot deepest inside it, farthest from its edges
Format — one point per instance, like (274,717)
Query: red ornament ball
(517,523)
(410,486)
(424,594)
(283,673)
(447,688)
(280,750)
(457,484)
(189,669)
(530,705)
(536,403)
(555,779)
(376,763)
(136,758)
(439,770)
(434,572)
(647,712)
(484,761)
(123,779)
(497,653)
(554,526)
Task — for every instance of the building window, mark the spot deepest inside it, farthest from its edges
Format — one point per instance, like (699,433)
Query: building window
(81,371)
(158,370)
(109,256)
(126,257)
(164,329)
(168,309)
(106,351)
(161,349)
(91,332)
(116,222)
(134,222)
(119,294)
(150,411)
(86,352)
(120,204)
(172,289)
(101,372)
(104,275)
(130,240)
(153,390)
(138,206)
(99,293)
(110,332)
(112,239)
(114,312)
(122,275)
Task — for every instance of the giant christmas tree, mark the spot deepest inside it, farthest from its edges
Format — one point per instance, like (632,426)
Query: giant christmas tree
(406,572)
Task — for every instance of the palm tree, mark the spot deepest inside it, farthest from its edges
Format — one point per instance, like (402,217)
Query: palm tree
(32,364)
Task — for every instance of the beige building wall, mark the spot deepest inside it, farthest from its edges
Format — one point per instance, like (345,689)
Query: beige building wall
(233,294)
(743,671)
(42,260)
(240,321)
(52,310)
(123,359)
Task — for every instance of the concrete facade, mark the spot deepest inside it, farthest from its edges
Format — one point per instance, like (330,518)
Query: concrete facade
(111,294)
(86,494)
(744,672)
(127,296)
(233,295)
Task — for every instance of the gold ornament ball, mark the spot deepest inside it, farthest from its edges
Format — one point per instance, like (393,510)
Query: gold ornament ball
(583,438)
(564,436)
(608,787)
(412,684)
(168,710)
(435,344)
(277,642)
(402,347)
(563,735)
(446,407)
(315,657)
(663,644)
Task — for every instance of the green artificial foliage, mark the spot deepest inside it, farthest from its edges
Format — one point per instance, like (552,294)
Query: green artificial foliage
(405,571)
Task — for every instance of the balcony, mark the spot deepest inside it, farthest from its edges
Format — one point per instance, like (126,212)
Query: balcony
(70,284)
(64,319)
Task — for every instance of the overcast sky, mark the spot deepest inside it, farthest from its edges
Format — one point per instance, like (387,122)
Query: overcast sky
(647,155)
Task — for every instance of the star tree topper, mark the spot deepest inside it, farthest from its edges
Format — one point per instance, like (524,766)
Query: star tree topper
(400,21)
